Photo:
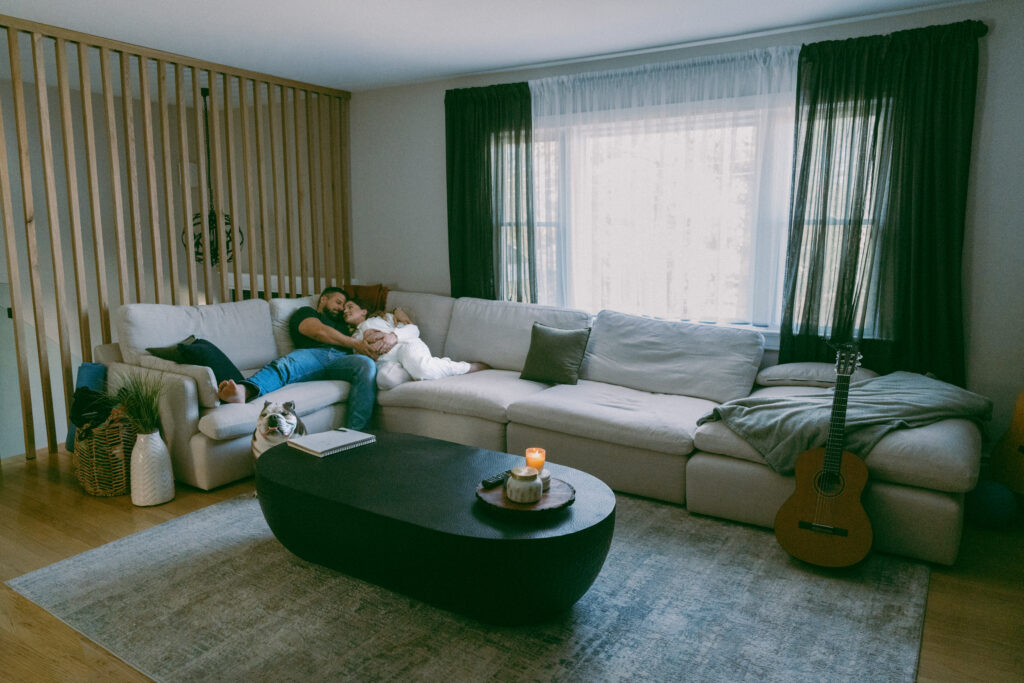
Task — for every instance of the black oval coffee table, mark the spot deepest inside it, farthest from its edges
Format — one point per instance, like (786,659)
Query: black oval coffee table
(403,513)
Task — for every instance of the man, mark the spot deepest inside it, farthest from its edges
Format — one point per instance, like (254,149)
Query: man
(323,350)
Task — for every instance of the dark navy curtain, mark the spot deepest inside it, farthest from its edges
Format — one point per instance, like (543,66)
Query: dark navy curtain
(881,157)
(488,134)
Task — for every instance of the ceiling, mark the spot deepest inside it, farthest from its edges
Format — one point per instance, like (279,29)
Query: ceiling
(366,44)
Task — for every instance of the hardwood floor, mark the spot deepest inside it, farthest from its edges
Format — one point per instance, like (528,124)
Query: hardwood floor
(973,631)
(46,517)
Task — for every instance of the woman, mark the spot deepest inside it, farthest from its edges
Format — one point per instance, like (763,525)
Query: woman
(410,358)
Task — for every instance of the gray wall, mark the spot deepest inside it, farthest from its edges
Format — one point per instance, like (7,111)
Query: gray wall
(398,182)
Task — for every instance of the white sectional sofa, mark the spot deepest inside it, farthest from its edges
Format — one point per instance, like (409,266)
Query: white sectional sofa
(209,441)
(631,419)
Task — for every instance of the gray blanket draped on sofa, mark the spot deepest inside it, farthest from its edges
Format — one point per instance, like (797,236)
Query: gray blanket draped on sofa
(781,428)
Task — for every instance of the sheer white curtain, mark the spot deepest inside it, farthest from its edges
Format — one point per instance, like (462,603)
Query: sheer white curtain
(664,190)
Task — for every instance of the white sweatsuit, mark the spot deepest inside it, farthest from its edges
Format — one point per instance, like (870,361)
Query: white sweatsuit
(410,359)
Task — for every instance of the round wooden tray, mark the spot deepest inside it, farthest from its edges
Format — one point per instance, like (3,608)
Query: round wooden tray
(559,495)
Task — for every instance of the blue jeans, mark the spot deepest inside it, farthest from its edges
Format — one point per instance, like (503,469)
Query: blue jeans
(306,365)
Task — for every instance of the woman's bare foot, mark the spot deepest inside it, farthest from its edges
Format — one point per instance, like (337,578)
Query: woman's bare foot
(229,392)
(477,367)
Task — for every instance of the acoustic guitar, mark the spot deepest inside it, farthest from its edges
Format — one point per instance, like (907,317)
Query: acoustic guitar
(824,522)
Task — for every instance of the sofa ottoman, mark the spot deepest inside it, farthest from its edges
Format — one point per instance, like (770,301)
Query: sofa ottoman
(914,498)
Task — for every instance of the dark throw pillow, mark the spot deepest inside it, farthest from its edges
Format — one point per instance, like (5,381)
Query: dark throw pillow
(555,355)
(171,352)
(202,352)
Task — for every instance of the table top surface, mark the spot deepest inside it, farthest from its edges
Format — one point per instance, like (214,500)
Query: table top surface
(432,484)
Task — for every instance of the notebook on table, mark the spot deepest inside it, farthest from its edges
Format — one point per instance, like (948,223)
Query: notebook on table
(334,441)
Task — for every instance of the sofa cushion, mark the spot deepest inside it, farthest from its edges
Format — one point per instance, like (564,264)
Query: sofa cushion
(943,456)
(206,383)
(806,375)
(498,332)
(555,354)
(486,394)
(432,313)
(616,414)
(231,420)
(713,362)
(280,312)
(241,329)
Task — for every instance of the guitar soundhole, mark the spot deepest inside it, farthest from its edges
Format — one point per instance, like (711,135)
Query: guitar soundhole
(829,483)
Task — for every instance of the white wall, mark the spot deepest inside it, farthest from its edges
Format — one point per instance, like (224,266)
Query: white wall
(399,201)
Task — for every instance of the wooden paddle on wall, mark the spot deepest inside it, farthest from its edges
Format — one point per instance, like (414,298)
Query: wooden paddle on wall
(824,522)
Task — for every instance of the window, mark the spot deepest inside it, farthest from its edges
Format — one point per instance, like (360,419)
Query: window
(840,243)
(665,192)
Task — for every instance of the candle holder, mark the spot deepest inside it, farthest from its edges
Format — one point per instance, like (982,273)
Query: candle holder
(524,485)
(535,458)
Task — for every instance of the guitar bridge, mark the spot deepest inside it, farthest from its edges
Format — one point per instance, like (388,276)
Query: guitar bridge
(824,528)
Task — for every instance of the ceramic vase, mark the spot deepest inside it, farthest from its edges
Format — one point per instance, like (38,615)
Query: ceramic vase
(152,478)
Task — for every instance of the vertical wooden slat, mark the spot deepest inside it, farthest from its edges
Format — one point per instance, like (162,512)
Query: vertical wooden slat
(218,183)
(128,119)
(186,180)
(17,298)
(99,256)
(316,233)
(280,251)
(152,200)
(237,226)
(115,178)
(346,185)
(340,200)
(291,224)
(205,184)
(74,211)
(303,239)
(326,206)
(250,212)
(53,220)
(261,162)
(165,140)
(313,140)
(339,244)
(32,249)
(300,246)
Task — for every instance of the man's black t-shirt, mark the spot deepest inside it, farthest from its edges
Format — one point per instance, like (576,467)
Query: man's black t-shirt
(301,341)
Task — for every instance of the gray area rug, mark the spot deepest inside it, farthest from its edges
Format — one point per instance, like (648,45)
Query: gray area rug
(213,596)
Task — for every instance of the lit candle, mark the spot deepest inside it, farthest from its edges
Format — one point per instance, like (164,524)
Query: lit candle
(535,458)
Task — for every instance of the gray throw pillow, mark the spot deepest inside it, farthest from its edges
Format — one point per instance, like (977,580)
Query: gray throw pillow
(555,355)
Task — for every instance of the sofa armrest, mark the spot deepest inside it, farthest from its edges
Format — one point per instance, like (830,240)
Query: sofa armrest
(107,354)
(206,383)
(179,416)
(178,406)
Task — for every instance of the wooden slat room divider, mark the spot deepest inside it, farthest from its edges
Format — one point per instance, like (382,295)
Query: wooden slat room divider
(154,177)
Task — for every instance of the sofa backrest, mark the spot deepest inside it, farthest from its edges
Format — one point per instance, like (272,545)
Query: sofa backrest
(432,313)
(713,362)
(498,332)
(241,329)
(280,313)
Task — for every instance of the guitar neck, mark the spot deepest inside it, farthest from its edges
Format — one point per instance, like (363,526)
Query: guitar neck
(837,424)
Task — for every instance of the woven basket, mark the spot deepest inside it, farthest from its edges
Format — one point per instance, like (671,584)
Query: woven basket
(103,457)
